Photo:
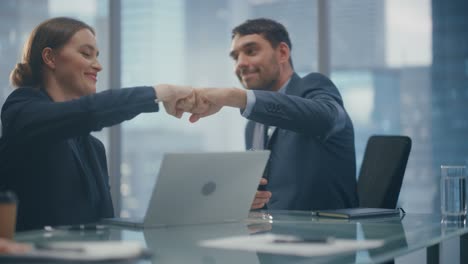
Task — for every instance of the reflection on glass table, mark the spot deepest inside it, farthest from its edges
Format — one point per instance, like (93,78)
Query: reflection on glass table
(180,244)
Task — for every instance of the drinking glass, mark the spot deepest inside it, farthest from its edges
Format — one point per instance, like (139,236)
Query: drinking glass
(453,193)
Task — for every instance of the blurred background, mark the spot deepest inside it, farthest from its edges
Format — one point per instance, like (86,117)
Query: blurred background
(401,66)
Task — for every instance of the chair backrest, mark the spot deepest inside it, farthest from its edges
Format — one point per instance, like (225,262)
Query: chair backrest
(382,171)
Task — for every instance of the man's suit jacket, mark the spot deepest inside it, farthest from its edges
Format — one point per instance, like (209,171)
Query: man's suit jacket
(50,160)
(312,163)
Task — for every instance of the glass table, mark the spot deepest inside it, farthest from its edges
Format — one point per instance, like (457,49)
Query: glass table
(401,235)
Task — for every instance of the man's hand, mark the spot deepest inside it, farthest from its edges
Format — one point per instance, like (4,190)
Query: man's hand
(171,94)
(261,197)
(209,101)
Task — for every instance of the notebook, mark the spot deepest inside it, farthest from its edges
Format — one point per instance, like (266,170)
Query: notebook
(198,188)
(350,213)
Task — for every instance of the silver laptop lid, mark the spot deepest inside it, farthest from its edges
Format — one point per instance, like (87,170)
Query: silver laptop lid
(196,188)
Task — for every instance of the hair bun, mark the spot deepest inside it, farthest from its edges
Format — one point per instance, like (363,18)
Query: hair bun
(21,75)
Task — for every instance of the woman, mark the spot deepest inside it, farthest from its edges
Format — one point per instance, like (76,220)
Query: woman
(57,169)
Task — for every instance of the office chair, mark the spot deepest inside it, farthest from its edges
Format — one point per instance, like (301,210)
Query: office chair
(382,171)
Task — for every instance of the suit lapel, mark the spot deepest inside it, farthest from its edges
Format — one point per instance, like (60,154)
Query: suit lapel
(101,183)
(77,155)
(293,88)
(87,175)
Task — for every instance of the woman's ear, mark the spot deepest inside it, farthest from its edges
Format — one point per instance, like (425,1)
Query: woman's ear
(48,56)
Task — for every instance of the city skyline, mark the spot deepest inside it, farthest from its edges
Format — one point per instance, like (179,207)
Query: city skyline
(187,42)
(408,43)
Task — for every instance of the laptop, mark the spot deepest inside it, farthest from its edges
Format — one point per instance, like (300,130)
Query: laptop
(202,188)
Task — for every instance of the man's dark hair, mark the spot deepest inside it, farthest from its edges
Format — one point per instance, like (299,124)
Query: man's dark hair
(272,31)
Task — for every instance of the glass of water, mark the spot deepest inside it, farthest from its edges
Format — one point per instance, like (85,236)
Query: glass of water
(453,194)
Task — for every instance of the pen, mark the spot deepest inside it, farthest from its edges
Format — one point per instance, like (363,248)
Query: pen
(43,246)
(86,227)
(298,240)
(82,227)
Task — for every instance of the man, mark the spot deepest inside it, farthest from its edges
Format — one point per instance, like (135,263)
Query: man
(301,120)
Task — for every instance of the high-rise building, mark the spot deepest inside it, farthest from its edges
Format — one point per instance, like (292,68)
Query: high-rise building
(372,98)
(207,43)
(395,101)
(419,189)
(153,41)
(17,19)
(357,31)
(449,83)
(300,18)
(179,42)
(153,51)
(101,25)
(387,112)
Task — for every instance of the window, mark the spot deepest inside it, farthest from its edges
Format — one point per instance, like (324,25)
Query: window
(18,19)
(188,42)
(381,61)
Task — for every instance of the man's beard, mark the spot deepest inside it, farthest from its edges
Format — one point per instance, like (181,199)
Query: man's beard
(265,84)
